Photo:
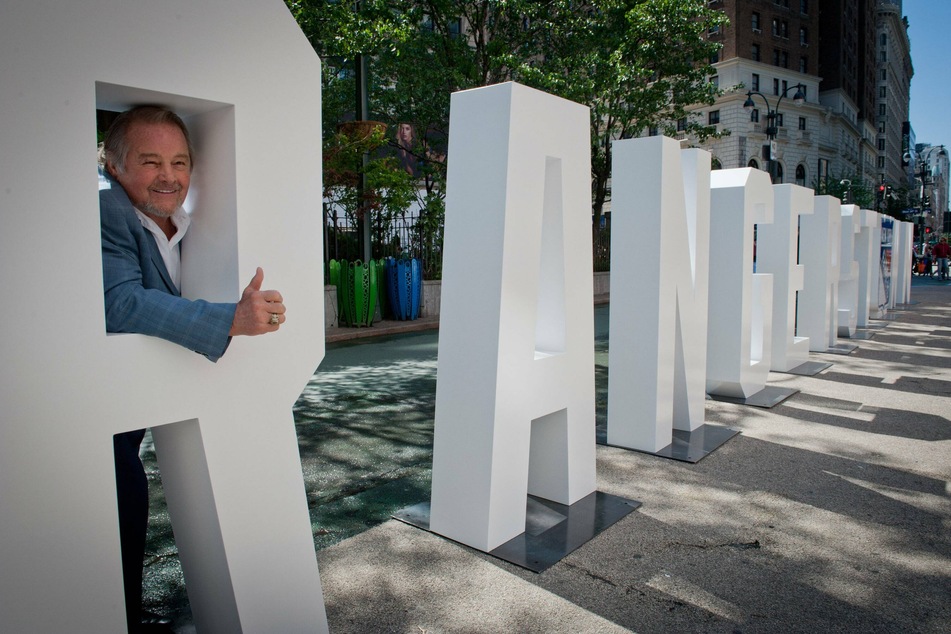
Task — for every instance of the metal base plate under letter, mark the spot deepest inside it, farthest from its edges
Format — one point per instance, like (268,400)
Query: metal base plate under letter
(841,348)
(769,396)
(809,368)
(686,446)
(552,530)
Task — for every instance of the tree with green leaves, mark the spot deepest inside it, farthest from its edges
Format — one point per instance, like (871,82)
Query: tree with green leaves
(638,64)
(851,189)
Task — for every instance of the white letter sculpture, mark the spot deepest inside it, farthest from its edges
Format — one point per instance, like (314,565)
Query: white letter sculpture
(902,245)
(819,247)
(777,252)
(660,232)
(224,432)
(867,254)
(740,302)
(515,383)
(849,271)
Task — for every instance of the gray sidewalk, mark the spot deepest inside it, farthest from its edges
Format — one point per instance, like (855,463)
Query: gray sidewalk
(828,513)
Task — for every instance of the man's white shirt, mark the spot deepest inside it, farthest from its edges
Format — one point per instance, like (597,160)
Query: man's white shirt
(169,248)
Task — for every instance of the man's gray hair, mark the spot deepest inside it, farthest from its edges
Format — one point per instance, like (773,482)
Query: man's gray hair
(116,144)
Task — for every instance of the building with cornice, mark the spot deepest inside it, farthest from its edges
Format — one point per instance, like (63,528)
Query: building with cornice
(852,58)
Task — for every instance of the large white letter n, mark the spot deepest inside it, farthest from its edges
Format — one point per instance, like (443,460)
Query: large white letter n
(660,230)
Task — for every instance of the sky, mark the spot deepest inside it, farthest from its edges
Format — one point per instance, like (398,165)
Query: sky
(929,27)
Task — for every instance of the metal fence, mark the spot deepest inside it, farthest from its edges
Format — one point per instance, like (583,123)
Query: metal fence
(601,244)
(405,236)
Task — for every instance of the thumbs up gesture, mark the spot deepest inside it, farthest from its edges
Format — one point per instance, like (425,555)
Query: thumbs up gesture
(258,311)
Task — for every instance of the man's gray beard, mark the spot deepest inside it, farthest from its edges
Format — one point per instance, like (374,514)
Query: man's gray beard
(151,210)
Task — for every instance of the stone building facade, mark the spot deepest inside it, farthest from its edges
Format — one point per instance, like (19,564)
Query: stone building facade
(856,84)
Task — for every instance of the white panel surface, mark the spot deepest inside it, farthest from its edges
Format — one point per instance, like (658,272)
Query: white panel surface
(740,302)
(867,252)
(230,460)
(660,232)
(902,245)
(777,253)
(849,271)
(515,380)
(819,253)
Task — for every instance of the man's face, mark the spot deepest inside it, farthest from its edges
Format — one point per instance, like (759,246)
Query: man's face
(157,169)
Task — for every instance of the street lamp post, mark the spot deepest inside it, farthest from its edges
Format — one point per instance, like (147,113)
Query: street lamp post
(772,116)
(847,199)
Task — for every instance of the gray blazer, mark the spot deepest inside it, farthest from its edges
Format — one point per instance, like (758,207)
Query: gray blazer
(140,296)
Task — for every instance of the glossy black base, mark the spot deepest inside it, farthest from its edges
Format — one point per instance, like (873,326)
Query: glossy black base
(809,368)
(841,348)
(552,530)
(769,396)
(686,446)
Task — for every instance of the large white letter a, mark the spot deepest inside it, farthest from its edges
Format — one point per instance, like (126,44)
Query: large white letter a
(515,384)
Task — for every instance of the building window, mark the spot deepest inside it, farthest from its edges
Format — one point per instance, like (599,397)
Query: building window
(881,110)
(881,128)
(753,163)
(785,86)
(881,162)
(801,175)
(776,27)
(784,29)
(715,57)
(713,117)
(804,65)
(784,59)
(713,30)
(779,173)
(884,39)
(884,56)
(779,119)
(715,164)
(823,169)
(802,123)
(775,86)
(715,80)
(775,57)
(804,91)
(755,82)
(881,145)
(804,36)
(884,74)
(754,52)
(804,7)
(754,115)
(882,92)
(756,23)
(652,131)
(681,124)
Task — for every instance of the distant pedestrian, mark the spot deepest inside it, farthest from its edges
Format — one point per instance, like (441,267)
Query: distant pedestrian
(941,252)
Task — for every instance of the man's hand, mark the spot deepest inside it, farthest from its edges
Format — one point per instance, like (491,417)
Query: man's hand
(256,308)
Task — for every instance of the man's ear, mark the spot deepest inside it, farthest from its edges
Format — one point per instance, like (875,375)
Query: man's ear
(113,172)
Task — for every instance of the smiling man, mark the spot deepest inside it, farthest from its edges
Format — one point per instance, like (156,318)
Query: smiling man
(148,157)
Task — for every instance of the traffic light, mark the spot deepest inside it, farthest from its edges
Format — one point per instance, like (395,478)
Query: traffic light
(927,230)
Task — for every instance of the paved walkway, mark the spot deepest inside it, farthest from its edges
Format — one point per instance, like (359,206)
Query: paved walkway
(828,513)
